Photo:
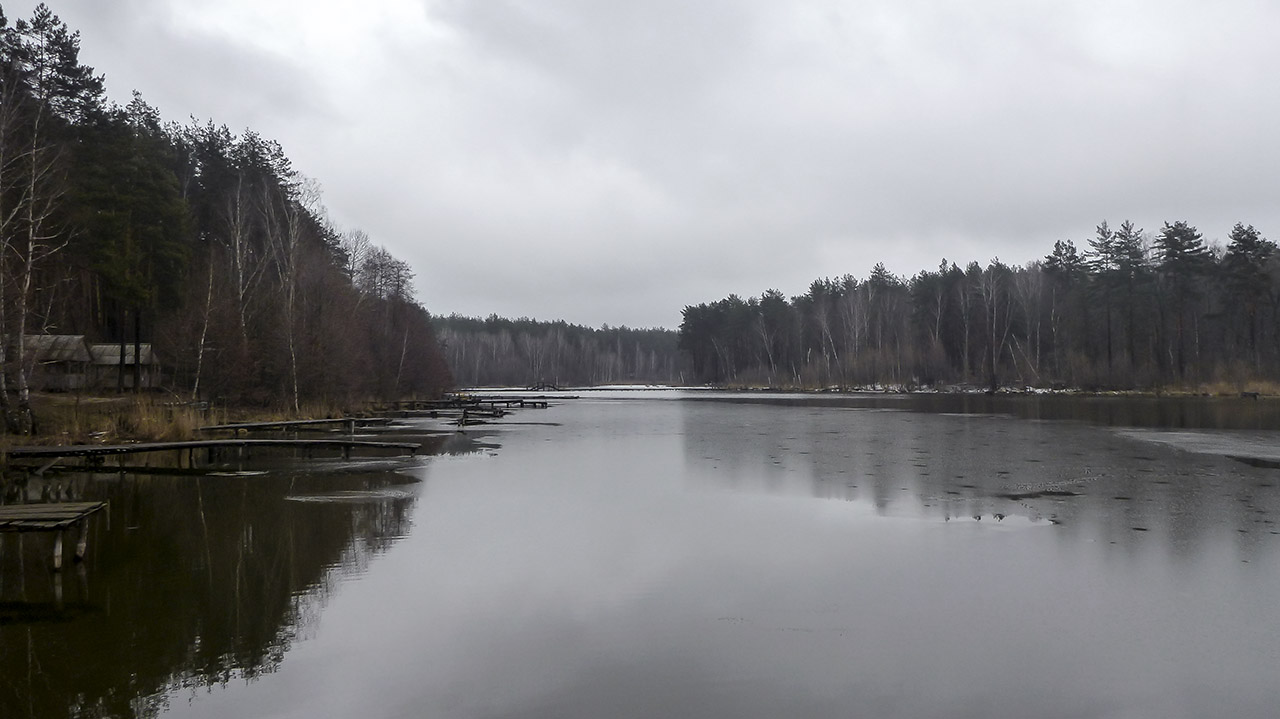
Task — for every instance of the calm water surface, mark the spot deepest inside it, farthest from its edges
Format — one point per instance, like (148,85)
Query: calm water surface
(691,555)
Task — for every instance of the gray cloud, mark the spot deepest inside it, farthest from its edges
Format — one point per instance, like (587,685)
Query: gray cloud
(208,73)
(612,162)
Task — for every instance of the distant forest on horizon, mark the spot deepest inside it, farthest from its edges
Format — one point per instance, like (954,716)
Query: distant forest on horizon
(500,352)
(207,244)
(1131,310)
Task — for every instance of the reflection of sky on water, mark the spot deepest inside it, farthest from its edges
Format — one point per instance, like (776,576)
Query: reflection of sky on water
(653,558)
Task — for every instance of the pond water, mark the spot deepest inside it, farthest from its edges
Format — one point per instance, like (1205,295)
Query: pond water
(680,554)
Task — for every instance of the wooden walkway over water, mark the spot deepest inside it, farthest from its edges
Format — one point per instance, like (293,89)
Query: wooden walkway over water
(94,453)
(58,517)
(55,517)
(469,402)
(347,423)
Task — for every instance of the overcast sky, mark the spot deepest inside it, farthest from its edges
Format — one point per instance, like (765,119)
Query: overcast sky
(602,161)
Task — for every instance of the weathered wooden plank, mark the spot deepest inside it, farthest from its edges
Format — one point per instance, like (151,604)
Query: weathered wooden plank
(39,516)
(34,526)
(23,510)
(91,450)
(48,508)
(36,520)
(298,423)
(45,517)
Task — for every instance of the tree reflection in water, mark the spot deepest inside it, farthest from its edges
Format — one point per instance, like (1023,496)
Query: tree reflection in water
(190,582)
(1123,470)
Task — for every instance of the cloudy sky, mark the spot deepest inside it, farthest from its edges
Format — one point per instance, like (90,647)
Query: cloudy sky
(603,161)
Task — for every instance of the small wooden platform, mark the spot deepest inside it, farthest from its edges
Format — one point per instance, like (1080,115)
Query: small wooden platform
(54,517)
(45,517)
(349,423)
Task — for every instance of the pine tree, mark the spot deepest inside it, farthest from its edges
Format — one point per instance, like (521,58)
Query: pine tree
(1248,282)
(1104,262)
(1183,260)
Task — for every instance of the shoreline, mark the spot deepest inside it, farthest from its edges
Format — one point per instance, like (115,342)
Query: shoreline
(97,419)
(64,420)
(1203,391)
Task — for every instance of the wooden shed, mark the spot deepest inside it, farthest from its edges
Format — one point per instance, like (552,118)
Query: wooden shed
(58,363)
(106,365)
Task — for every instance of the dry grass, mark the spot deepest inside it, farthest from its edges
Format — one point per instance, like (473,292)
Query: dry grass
(73,419)
(308,410)
(93,420)
(1235,388)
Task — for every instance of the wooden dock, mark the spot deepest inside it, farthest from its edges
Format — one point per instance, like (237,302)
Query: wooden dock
(457,402)
(56,517)
(96,452)
(347,423)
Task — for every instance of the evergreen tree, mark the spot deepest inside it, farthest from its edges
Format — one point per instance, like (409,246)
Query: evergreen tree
(132,221)
(1134,272)
(1104,260)
(1183,260)
(1249,284)
(1067,271)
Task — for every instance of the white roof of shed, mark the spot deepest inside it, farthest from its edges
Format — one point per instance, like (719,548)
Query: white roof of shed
(56,348)
(109,354)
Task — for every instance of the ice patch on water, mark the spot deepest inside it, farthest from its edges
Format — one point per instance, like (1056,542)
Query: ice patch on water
(1261,446)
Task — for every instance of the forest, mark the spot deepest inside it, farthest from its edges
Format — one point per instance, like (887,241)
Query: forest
(204,243)
(1127,309)
(209,247)
(502,352)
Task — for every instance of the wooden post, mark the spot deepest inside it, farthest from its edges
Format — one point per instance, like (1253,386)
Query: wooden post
(82,582)
(57,551)
(82,543)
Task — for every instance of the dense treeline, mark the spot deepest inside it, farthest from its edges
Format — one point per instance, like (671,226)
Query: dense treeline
(1131,310)
(208,244)
(524,352)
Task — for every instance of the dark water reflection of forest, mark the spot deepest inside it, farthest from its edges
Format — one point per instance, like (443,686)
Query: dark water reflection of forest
(191,580)
(1174,469)
(690,554)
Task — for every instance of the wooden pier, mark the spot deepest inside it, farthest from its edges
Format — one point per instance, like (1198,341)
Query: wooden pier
(349,424)
(463,401)
(94,453)
(55,517)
